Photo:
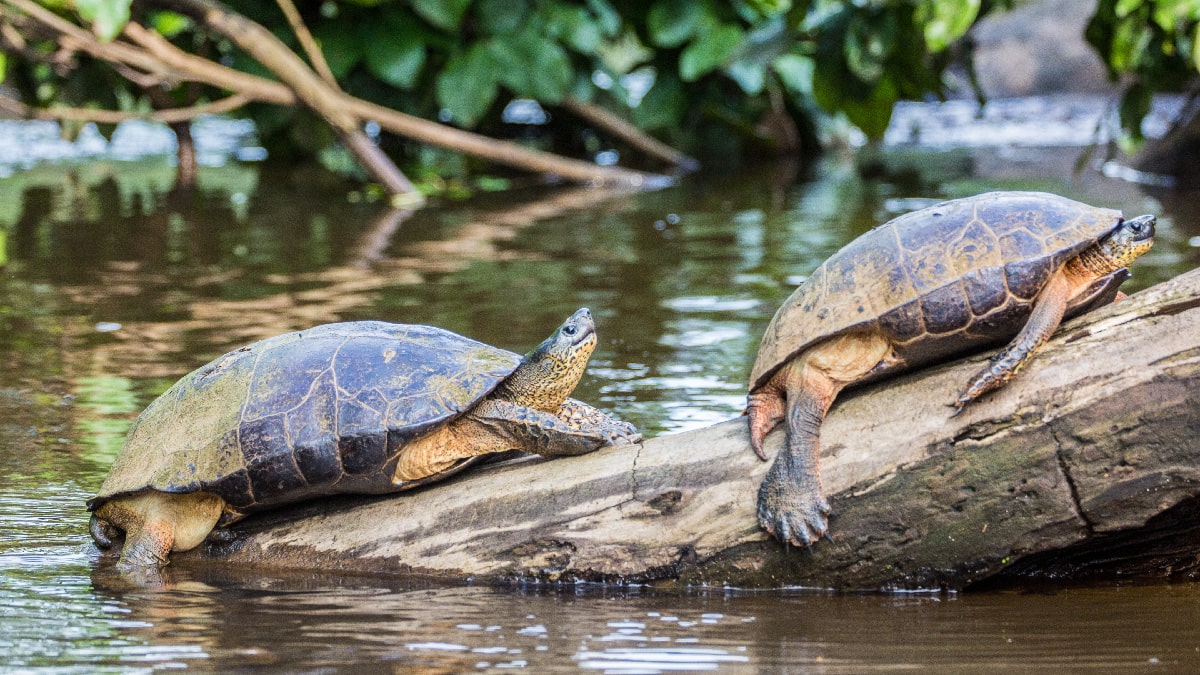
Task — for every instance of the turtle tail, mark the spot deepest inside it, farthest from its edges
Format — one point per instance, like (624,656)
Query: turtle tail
(102,532)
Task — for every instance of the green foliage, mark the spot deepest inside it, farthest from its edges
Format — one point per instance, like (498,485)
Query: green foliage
(1152,44)
(107,17)
(689,70)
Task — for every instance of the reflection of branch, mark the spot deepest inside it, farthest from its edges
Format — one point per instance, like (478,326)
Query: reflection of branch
(373,242)
(165,115)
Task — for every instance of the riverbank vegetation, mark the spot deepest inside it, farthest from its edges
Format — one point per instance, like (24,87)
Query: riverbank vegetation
(597,92)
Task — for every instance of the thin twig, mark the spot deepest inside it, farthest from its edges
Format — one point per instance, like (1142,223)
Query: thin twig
(307,42)
(166,115)
(629,133)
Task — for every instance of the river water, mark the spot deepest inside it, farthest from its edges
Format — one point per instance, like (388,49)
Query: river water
(114,285)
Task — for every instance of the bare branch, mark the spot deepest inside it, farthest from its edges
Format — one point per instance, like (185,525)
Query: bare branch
(149,52)
(628,133)
(166,115)
(310,46)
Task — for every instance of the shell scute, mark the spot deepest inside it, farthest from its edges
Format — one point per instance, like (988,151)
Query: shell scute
(945,309)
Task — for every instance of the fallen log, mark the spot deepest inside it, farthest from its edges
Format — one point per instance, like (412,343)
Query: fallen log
(1089,457)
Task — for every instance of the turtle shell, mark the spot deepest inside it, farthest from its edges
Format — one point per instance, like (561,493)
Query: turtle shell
(938,281)
(314,412)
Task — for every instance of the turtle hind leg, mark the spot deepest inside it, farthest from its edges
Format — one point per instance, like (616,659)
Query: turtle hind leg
(1047,314)
(156,523)
(791,500)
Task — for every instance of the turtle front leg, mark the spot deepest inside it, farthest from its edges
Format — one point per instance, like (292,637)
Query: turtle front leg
(1047,314)
(585,430)
(580,415)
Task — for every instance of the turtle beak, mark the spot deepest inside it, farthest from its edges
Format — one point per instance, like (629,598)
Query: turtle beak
(580,326)
(1142,227)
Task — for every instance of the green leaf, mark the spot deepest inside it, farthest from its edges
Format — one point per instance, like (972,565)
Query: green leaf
(1135,105)
(671,23)
(554,73)
(607,17)
(500,17)
(751,77)
(534,66)
(1126,7)
(944,21)
(108,17)
(394,57)
(1196,45)
(3,66)
(796,73)
(867,47)
(341,45)
(770,8)
(575,28)
(663,104)
(709,51)
(467,85)
(169,24)
(445,14)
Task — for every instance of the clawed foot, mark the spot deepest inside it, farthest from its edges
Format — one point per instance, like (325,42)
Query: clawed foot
(623,433)
(791,513)
(800,525)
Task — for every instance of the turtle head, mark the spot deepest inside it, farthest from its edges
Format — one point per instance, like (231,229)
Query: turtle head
(1130,239)
(550,372)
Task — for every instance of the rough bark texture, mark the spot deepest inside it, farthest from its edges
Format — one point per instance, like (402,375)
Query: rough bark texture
(1086,463)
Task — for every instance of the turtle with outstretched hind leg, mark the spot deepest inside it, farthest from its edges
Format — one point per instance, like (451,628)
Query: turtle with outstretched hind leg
(915,291)
(361,407)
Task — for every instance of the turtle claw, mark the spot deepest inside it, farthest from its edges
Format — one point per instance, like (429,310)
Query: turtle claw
(624,433)
(800,521)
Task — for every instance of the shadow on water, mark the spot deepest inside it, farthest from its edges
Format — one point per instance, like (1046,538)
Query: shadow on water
(114,286)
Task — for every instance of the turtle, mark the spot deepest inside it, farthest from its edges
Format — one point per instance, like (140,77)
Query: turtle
(914,291)
(363,407)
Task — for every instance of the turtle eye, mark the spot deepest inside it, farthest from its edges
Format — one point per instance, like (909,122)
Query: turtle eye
(570,329)
(1135,225)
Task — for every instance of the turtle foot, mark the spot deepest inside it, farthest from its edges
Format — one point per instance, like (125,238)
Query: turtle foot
(623,433)
(798,525)
(793,514)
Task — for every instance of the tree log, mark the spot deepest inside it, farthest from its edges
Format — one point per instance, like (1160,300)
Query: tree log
(1089,456)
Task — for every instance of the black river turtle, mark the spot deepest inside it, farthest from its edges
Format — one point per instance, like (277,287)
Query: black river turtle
(913,291)
(359,407)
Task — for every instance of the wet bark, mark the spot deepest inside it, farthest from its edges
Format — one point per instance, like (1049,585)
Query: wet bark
(1087,455)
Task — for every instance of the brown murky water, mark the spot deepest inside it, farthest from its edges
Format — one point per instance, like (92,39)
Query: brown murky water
(113,286)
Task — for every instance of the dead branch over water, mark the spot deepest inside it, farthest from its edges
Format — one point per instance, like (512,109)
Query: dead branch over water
(145,57)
